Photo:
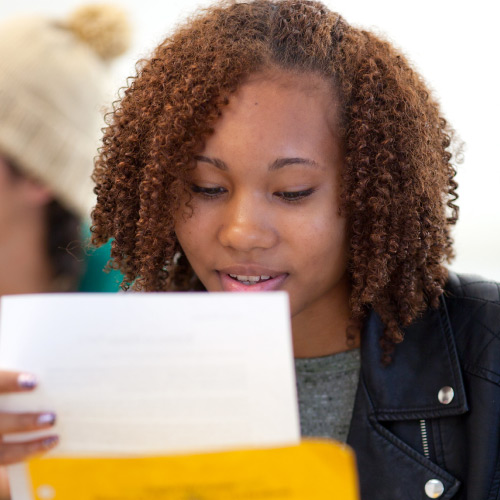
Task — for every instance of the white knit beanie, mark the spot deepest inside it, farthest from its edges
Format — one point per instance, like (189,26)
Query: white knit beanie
(52,84)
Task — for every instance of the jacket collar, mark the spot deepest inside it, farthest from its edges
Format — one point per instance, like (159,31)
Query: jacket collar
(423,363)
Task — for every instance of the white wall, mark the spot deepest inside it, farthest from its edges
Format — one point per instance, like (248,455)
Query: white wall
(455,45)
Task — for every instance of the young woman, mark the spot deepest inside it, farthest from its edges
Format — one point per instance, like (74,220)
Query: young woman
(272,146)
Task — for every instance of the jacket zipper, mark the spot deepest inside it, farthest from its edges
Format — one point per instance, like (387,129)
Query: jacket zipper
(425,442)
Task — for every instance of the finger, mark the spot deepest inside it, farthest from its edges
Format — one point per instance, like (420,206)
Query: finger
(22,422)
(4,484)
(16,381)
(11,453)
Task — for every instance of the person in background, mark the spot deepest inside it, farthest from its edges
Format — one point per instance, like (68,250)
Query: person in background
(52,85)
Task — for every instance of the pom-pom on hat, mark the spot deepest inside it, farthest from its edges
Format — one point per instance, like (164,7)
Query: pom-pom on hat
(52,84)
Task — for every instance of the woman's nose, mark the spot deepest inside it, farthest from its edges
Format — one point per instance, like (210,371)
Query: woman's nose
(247,225)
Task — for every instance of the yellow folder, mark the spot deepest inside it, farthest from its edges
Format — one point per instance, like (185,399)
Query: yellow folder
(312,470)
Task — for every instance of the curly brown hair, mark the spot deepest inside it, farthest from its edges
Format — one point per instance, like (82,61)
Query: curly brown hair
(398,192)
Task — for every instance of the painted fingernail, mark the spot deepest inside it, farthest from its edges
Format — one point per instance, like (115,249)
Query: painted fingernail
(46,419)
(26,380)
(50,442)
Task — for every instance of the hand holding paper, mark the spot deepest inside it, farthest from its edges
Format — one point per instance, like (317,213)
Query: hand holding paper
(10,422)
(138,377)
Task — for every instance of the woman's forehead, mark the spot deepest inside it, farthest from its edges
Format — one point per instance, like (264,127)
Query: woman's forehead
(284,92)
(309,83)
(267,119)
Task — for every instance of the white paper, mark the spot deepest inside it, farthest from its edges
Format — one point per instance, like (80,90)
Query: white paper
(156,373)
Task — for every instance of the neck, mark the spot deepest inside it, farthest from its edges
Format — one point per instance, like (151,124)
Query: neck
(322,330)
(24,262)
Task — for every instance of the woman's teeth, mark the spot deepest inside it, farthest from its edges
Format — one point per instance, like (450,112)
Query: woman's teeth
(249,280)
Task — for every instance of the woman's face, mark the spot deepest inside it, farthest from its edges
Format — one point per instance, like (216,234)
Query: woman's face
(265,207)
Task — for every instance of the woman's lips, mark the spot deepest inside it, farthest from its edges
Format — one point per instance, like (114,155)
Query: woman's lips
(233,285)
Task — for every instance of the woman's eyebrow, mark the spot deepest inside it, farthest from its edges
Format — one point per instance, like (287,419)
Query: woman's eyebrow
(275,165)
(283,162)
(213,161)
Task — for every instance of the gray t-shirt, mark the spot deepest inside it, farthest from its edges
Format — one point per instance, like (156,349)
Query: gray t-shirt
(326,388)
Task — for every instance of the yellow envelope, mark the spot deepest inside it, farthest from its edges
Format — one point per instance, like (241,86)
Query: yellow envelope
(313,470)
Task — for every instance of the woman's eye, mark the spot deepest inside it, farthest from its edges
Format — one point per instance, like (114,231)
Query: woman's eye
(292,196)
(208,192)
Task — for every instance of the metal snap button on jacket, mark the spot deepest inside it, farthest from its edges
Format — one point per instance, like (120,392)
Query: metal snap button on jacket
(434,488)
(446,395)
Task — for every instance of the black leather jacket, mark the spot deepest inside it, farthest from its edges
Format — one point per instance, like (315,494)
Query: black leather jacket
(404,431)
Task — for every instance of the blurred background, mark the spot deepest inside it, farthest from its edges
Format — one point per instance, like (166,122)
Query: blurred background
(454,45)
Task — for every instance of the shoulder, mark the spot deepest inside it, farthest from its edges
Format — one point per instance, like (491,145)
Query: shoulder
(468,286)
(473,307)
